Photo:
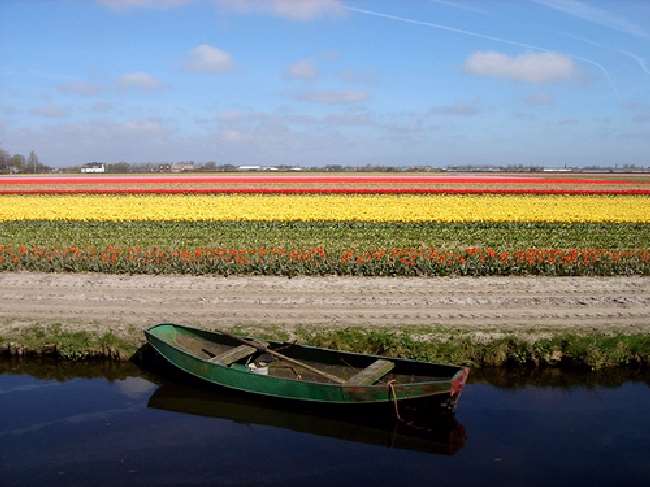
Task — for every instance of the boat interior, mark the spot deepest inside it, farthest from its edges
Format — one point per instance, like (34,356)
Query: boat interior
(350,368)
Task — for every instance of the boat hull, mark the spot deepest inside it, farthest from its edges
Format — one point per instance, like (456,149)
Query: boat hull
(443,393)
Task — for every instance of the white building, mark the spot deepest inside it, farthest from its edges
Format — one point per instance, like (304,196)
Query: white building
(93,167)
(182,166)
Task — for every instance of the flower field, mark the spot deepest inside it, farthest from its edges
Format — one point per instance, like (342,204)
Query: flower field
(310,225)
(375,208)
(322,184)
(472,261)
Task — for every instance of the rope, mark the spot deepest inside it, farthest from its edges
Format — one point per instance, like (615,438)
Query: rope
(393,395)
(391,388)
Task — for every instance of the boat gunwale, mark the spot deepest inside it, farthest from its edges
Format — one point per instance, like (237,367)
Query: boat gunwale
(267,394)
(460,369)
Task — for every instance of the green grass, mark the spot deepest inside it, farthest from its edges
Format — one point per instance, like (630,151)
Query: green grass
(595,351)
(427,343)
(72,345)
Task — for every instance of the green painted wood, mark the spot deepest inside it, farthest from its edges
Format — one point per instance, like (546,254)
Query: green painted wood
(371,374)
(163,339)
(233,355)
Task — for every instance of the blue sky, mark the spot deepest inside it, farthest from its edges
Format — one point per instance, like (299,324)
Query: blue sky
(327,81)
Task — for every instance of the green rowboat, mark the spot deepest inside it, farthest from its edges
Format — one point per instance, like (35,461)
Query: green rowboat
(306,374)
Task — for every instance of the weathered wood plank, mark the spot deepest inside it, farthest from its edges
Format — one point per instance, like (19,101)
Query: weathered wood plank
(371,374)
(230,356)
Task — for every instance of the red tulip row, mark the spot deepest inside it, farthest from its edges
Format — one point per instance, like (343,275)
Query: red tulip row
(307,179)
(538,191)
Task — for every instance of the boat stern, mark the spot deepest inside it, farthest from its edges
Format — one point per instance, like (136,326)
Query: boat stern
(458,382)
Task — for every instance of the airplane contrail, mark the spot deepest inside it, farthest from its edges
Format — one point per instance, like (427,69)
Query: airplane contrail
(470,33)
(590,13)
(460,6)
(643,64)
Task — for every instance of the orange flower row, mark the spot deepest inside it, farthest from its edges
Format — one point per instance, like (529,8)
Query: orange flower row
(318,261)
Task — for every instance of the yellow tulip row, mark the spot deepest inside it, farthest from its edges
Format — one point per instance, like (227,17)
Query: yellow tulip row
(375,208)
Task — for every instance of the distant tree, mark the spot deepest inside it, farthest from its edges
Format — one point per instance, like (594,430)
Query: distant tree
(5,160)
(118,167)
(210,166)
(32,162)
(18,162)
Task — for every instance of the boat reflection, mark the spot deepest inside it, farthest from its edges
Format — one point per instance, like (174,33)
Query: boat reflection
(445,436)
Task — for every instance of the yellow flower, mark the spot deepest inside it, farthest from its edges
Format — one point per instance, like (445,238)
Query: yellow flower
(373,208)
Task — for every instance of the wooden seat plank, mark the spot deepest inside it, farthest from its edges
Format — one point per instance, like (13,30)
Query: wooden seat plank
(233,355)
(371,374)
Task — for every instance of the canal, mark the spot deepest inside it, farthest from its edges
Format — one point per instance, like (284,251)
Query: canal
(116,424)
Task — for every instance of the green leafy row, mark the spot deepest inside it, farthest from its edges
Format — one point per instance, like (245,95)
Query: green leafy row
(331,235)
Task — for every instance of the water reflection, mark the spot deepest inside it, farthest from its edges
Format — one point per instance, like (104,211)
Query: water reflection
(116,424)
(443,436)
(134,387)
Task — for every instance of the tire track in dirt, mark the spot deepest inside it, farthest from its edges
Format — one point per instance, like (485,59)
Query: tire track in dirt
(95,301)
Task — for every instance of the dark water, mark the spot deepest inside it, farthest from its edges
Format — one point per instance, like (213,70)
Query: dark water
(118,425)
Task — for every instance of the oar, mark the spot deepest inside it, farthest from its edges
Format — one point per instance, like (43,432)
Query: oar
(263,348)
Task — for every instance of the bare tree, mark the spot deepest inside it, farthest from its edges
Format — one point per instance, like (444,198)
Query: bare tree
(5,160)
(32,161)
(18,162)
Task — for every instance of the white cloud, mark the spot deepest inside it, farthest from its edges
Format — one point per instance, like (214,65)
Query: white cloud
(232,136)
(50,111)
(541,67)
(102,107)
(101,139)
(303,69)
(469,33)
(81,88)
(640,110)
(291,9)
(208,59)
(568,122)
(334,97)
(8,110)
(596,15)
(461,109)
(152,126)
(539,100)
(641,118)
(138,80)
(128,4)
(358,76)
(244,120)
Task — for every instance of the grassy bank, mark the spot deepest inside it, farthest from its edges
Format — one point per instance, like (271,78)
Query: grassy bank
(594,351)
(58,342)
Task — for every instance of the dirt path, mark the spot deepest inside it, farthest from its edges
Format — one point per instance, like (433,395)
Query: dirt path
(489,304)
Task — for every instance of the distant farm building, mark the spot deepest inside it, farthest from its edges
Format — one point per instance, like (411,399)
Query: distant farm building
(93,167)
(182,166)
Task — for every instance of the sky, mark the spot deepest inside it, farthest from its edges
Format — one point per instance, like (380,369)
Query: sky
(313,82)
